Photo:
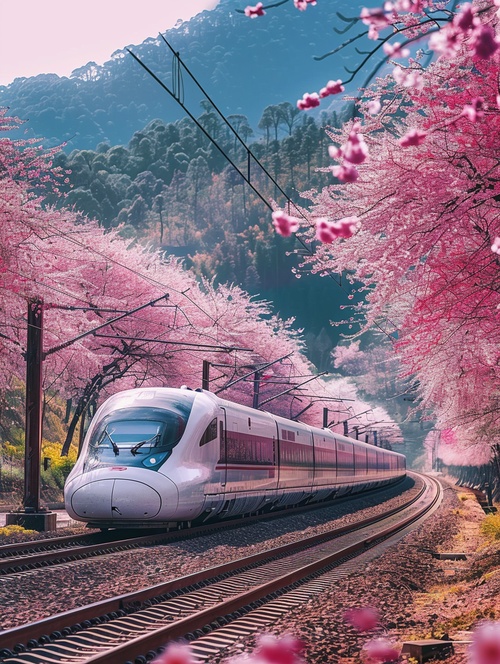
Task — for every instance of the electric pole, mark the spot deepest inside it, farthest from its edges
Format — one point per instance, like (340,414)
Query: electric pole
(31,516)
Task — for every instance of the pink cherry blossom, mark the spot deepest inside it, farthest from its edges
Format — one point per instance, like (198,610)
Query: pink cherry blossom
(328,231)
(332,88)
(176,653)
(380,650)
(495,247)
(347,227)
(485,647)
(309,100)
(484,42)
(364,619)
(355,150)
(395,50)
(301,5)
(346,172)
(408,78)
(374,107)
(284,650)
(284,224)
(324,230)
(466,20)
(446,41)
(334,152)
(474,110)
(446,195)
(413,137)
(465,25)
(377,19)
(253,12)
(414,6)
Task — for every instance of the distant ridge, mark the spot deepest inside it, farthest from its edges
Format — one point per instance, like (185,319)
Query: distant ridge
(244,64)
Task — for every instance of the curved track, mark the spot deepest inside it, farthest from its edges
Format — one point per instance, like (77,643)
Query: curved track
(25,556)
(245,593)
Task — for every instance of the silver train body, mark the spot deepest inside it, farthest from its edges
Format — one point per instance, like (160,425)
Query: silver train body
(158,456)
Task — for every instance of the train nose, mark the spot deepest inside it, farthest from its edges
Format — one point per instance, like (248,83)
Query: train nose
(116,499)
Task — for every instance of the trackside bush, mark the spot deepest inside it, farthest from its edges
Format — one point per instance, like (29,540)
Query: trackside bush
(491,526)
(8,531)
(59,467)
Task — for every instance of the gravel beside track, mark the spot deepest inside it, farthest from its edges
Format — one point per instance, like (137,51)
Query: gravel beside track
(36,595)
(416,595)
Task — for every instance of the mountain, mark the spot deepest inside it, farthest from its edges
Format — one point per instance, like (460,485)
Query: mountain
(137,161)
(243,64)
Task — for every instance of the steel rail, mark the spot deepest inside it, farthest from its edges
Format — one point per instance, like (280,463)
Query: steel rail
(119,606)
(40,553)
(151,641)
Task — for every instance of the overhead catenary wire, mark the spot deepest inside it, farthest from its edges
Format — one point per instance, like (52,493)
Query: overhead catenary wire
(250,154)
(200,127)
(246,178)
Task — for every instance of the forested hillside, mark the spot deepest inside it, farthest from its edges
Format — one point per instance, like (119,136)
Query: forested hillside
(172,188)
(233,57)
(137,161)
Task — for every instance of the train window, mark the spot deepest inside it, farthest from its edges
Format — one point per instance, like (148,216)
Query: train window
(137,437)
(210,432)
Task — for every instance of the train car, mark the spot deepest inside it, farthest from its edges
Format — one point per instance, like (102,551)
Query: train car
(154,457)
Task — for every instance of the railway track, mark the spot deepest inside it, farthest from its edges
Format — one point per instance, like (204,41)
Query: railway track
(26,556)
(214,606)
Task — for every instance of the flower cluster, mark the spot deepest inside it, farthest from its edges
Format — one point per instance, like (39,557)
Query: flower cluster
(287,650)
(495,247)
(465,26)
(176,653)
(353,152)
(273,650)
(408,77)
(380,651)
(364,618)
(301,5)
(474,110)
(258,10)
(328,231)
(253,12)
(413,137)
(332,88)
(309,100)
(485,648)
(284,224)
(376,19)
(395,50)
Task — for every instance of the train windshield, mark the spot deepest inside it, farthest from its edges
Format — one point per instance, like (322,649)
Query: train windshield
(142,437)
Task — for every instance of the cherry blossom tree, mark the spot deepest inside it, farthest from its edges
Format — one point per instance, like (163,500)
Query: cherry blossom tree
(153,323)
(412,212)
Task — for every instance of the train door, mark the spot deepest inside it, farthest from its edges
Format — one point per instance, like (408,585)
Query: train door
(223,448)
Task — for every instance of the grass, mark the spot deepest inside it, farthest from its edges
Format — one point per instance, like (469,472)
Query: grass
(490,526)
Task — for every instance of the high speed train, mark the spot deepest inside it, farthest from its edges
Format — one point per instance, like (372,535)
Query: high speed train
(159,456)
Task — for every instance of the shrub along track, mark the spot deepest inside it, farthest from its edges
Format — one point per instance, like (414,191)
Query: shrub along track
(134,626)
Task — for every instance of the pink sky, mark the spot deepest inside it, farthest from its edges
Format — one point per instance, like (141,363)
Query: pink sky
(57,36)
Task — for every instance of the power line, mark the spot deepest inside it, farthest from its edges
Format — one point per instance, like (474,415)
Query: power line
(246,178)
